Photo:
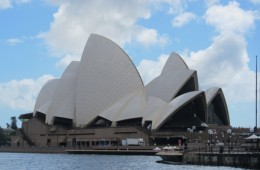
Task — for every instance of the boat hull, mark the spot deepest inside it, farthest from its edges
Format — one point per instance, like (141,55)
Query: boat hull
(170,157)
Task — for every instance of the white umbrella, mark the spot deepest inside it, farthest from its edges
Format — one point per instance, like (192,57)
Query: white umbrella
(174,147)
(166,148)
(170,147)
(252,137)
(156,149)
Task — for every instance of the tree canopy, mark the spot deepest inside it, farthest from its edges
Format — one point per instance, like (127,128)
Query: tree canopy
(13,123)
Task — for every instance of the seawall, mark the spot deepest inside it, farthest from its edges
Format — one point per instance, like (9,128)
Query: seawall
(119,150)
(33,149)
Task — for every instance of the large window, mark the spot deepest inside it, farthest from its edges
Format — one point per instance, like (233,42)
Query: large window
(216,112)
(188,116)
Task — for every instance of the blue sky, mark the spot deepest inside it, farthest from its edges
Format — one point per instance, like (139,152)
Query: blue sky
(219,39)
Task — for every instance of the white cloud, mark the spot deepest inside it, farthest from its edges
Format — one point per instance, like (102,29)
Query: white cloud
(14,41)
(256,2)
(149,69)
(174,6)
(4,4)
(183,19)
(75,21)
(230,18)
(21,94)
(210,3)
(66,60)
(149,37)
(22,1)
(225,62)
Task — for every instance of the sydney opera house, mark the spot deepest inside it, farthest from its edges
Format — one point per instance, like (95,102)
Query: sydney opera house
(101,100)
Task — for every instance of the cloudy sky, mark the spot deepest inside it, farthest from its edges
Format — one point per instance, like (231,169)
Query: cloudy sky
(39,38)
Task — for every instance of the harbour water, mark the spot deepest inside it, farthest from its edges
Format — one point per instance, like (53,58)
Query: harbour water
(28,161)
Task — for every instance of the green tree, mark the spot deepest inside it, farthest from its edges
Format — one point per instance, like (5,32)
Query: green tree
(3,138)
(13,123)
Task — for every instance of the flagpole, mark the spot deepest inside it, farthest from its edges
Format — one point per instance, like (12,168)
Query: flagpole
(255,129)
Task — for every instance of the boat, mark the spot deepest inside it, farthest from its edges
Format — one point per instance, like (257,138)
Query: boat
(171,154)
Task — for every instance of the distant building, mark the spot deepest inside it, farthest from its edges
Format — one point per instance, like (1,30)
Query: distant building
(102,100)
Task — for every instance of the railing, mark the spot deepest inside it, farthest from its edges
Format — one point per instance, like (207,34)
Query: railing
(234,156)
(223,150)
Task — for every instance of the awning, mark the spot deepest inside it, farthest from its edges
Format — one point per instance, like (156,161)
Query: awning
(26,116)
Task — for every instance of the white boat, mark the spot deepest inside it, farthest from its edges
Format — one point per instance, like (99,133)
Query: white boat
(171,154)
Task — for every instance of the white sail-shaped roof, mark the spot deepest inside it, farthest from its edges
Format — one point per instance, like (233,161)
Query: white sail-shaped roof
(45,96)
(134,108)
(106,74)
(211,94)
(112,112)
(173,78)
(174,62)
(154,108)
(129,107)
(64,98)
(175,105)
(167,86)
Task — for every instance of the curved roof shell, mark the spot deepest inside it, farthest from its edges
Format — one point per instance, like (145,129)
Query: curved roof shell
(44,99)
(175,79)
(168,85)
(216,97)
(154,108)
(134,108)
(129,107)
(112,112)
(106,74)
(174,62)
(64,98)
(211,93)
(177,104)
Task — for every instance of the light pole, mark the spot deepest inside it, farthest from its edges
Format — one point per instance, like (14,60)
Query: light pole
(210,132)
(74,142)
(223,136)
(193,130)
(189,131)
(229,133)
(216,136)
(200,132)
